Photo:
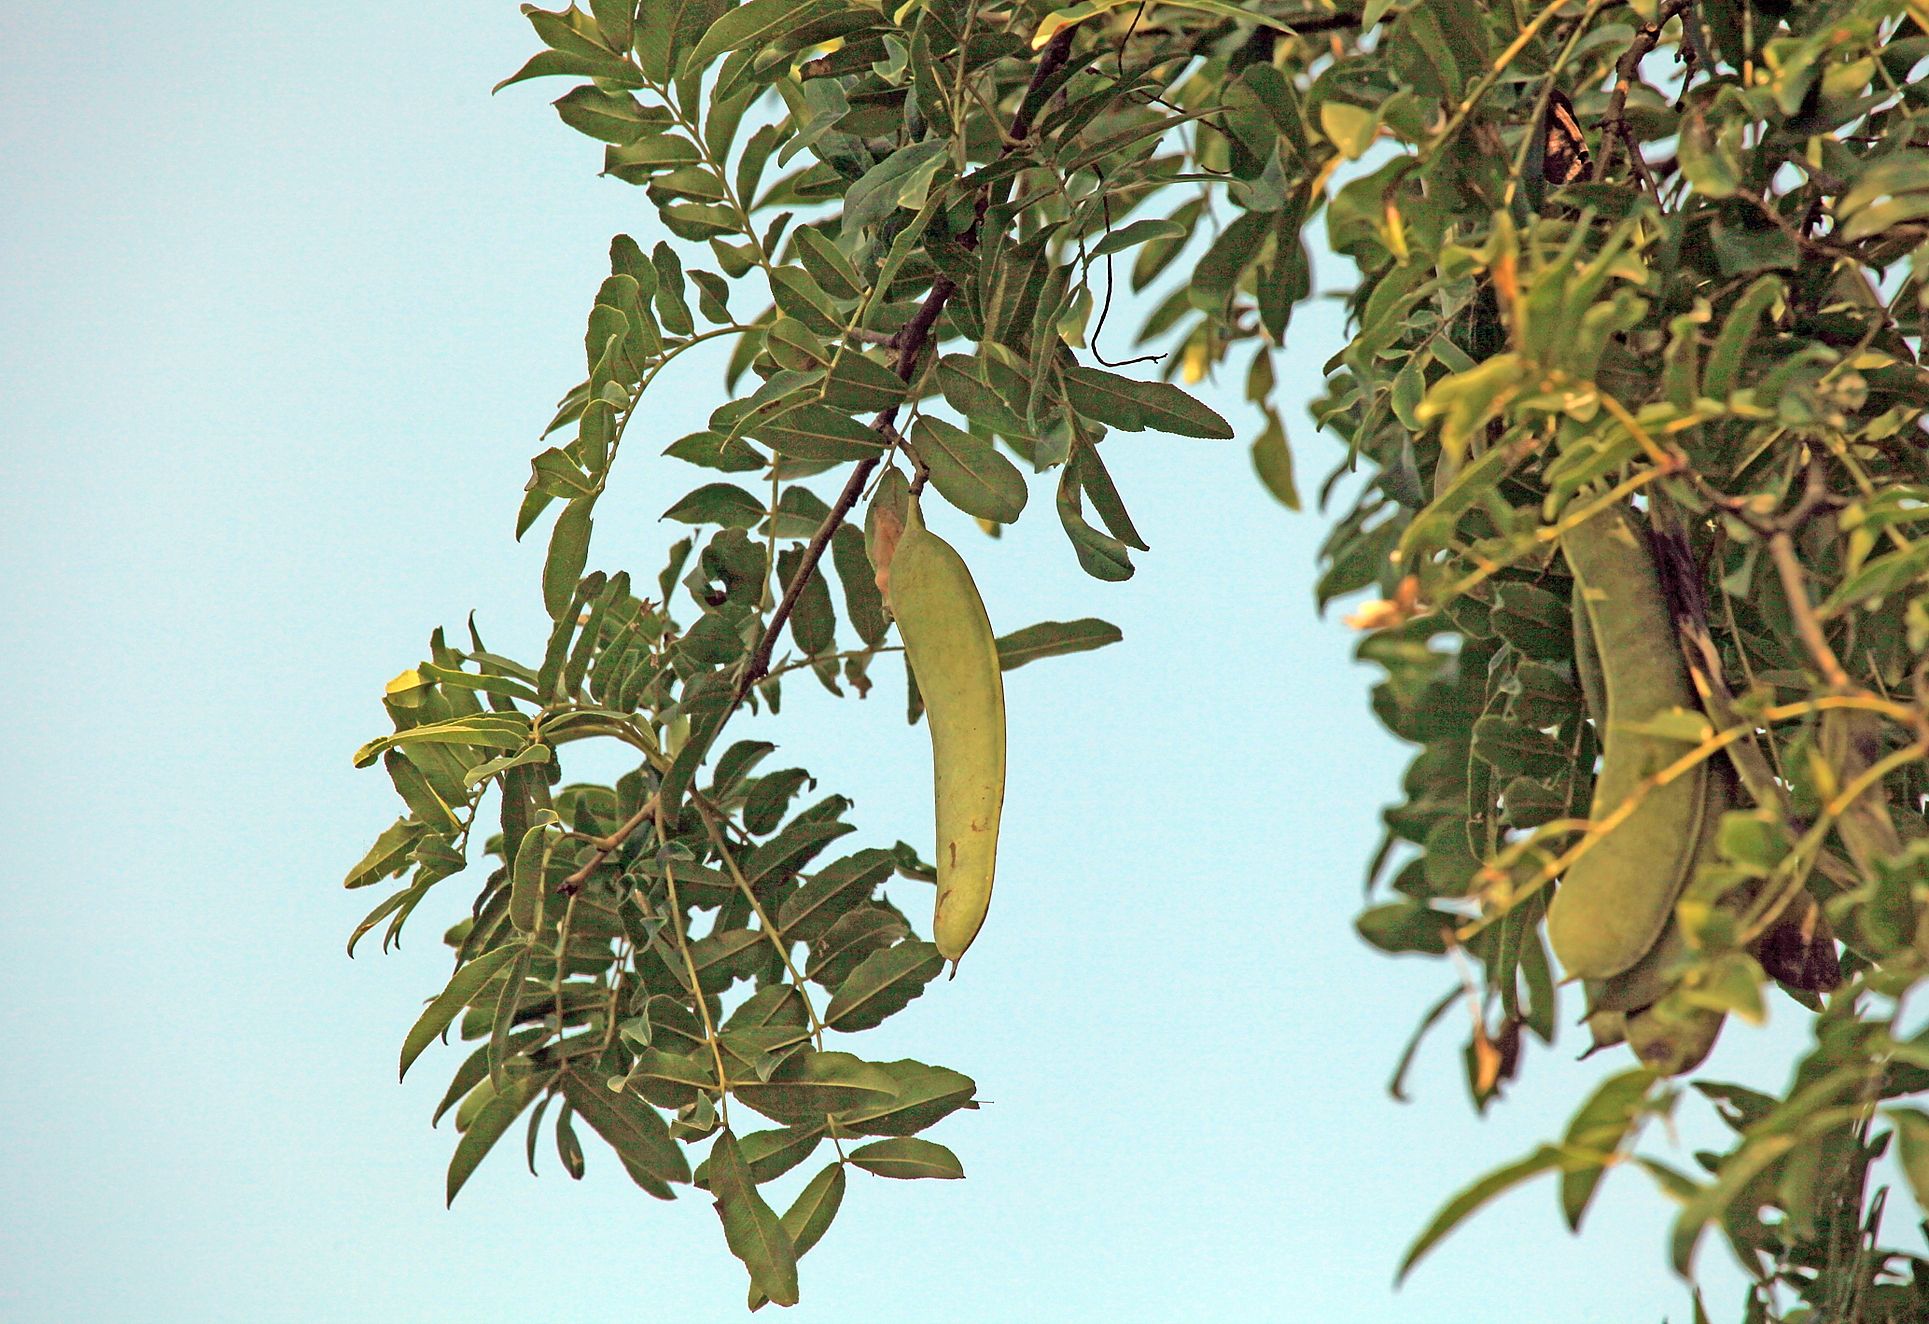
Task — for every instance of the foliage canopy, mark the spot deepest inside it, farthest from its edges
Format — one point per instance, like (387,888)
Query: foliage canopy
(1655,265)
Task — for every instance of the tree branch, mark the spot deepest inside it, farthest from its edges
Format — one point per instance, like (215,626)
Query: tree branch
(607,847)
(1614,124)
(911,342)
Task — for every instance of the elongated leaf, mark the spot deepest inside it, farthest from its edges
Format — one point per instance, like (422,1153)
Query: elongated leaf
(925,1096)
(810,1214)
(770,1154)
(1099,554)
(1135,405)
(751,24)
(718,503)
(832,891)
(389,855)
(1054,638)
(750,1226)
(1456,1211)
(448,1004)
(1138,232)
(809,1086)
(893,182)
(634,1129)
(488,1125)
(568,552)
(908,1158)
(969,471)
(818,433)
(1912,1148)
(1597,1130)
(485,730)
(863,604)
(882,985)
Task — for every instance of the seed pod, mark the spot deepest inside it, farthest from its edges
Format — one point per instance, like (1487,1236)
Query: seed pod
(949,644)
(1615,901)
(1673,1038)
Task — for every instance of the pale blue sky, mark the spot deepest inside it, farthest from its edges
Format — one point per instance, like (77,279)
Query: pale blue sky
(286,298)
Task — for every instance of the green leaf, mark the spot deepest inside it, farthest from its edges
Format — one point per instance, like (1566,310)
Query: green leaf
(389,856)
(883,984)
(968,471)
(1053,638)
(568,553)
(1350,128)
(770,1154)
(1136,406)
(1595,1135)
(616,118)
(1456,1210)
(863,384)
(462,988)
(907,1158)
(926,1095)
(810,1086)
(1273,462)
(634,1129)
(827,264)
(671,309)
(750,1226)
(832,891)
(1912,1149)
(616,20)
(482,772)
(1099,555)
(488,1125)
(722,504)
(549,64)
(898,180)
(863,604)
(1138,232)
(1049,26)
(750,24)
(1881,577)
(810,1214)
(818,433)
(716,450)
(484,730)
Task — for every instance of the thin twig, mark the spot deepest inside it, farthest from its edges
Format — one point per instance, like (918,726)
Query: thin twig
(1614,124)
(911,341)
(608,846)
(1781,549)
(771,931)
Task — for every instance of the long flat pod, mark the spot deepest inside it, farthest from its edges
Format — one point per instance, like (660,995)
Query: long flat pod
(1615,901)
(953,654)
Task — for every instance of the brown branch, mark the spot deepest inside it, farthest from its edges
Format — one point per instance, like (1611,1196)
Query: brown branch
(1312,23)
(911,342)
(1781,548)
(1614,124)
(608,846)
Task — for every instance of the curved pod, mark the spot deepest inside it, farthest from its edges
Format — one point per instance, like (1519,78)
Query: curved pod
(1615,901)
(949,644)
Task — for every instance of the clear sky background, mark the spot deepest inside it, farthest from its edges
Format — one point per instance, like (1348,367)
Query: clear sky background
(286,299)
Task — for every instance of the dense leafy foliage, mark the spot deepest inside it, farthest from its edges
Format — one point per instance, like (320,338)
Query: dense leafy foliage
(1658,257)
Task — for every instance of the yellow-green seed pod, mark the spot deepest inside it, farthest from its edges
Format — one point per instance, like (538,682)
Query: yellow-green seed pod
(1615,901)
(1673,1038)
(953,654)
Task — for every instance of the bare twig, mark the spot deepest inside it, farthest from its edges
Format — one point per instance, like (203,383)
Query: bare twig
(1614,124)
